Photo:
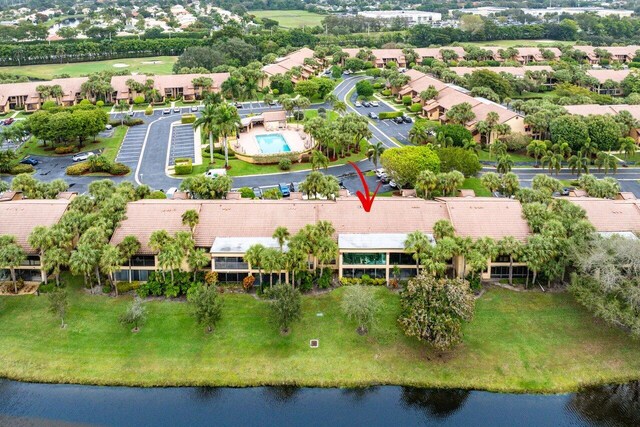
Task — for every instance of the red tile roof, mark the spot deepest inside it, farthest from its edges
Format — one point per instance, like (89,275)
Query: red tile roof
(19,217)
(611,215)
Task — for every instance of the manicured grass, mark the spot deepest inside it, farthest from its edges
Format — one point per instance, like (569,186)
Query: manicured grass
(517,341)
(331,115)
(475,185)
(291,18)
(516,157)
(242,168)
(109,145)
(77,69)
(521,42)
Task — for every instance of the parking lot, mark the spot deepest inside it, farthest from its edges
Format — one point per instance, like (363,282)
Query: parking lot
(131,147)
(388,126)
(182,143)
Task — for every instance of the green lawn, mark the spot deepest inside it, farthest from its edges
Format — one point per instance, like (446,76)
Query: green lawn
(331,115)
(475,185)
(242,168)
(484,155)
(164,65)
(110,145)
(291,18)
(517,341)
(521,42)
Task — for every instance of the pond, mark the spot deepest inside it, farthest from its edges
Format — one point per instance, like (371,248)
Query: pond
(46,404)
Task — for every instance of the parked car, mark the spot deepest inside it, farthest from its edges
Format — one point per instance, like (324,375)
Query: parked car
(366,104)
(372,115)
(257,191)
(384,178)
(379,172)
(346,72)
(238,105)
(407,119)
(358,104)
(375,104)
(80,157)
(170,192)
(284,189)
(108,127)
(294,187)
(213,173)
(8,121)
(166,111)
(272,102)
(566,190)
(399,120)
(131,113)
(29,161)
(499,195)
(393,184)
(194,109)
(176,110)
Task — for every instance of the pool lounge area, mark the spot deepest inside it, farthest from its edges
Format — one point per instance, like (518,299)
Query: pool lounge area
(269,134)
(272,143)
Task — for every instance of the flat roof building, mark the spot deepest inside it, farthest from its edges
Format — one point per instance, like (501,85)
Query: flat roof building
(412,17)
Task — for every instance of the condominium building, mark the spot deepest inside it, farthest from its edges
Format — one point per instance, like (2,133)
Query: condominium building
(289,63)
(410,17)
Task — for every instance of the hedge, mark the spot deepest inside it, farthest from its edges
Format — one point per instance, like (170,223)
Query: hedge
(188,118)
(406,100)
(20,168)
(390,114)
(124,287)
(415,107)
(364,280)
(183,166)
(119,169)
(65,149)
(133,122)
(78,169)
(81,168)
(386,92)
(148,111)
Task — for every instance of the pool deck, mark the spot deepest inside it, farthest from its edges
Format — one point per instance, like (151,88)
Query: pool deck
(293,135)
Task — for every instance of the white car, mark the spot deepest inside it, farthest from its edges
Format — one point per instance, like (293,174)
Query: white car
(379,172)
(170,192)
(176,110)
(358,104)
(130,113)
(392,184)
(213,173)
(375,104)
(80,157)
(166,111)
(194,109)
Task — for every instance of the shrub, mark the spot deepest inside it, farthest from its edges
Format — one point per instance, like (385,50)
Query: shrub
(148,111)
(322,110)
(78,169)
(378,85)
(124,287)
(132,122)
(415,107)
(20,168)
(305,281)
(49,104)
(118,169)
(456,158)
(284,164)
(386,92)
(138,100)
(406,100)
(156,194)
(65,149)
(183,166)
(247,283)
(516,141)
(324,280)
(390,114)
(364,88)
(100,103)
(247,193)
(188,118)
(457,133)
(211,278)
(273,194)
(298,115)
(275,92)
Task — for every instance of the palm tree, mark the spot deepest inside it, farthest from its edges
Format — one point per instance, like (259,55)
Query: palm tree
(318,160)
(505,163)
(418,134)
(426,183)
(327,250)
(491,180)
(11,256)
(110,261)
(191,218)
(554,160)
(82,261)
(207,124)
(628,147)
(226,120)
(272,262)
(54,259)
(374,152)
(340,107)
(129,246)
(606,161)
(281,234)
(41,239)
(579,163)
(537,149)
(512,247)
(417,244)
(471,145)
(331,99)
(197,259)
(254,256)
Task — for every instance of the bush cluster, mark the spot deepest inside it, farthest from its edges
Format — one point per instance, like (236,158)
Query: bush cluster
(390,114)
(247,193)
(65,149)
(386,92)
(78,169)
(20,168)
(284,164)
(406,100)
(81,168)
(124,287)
(157,285)
(364,280)
(188,118)
(148,111)
(183,166)
(414,108)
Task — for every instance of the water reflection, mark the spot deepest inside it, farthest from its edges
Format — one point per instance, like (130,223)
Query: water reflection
(281,394)
(359,394)
(434,403)
(612,405)
(207,393)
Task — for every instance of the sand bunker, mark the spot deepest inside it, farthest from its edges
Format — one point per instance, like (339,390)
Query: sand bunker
(120,65)
(151,62)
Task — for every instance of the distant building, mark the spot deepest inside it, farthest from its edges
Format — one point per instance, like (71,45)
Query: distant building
(540,13)
(412,17)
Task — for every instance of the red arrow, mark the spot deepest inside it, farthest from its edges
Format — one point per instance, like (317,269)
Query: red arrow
(366,199)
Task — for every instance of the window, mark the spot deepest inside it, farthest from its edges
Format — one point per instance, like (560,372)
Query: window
(502,272)
(401,258)
(379,258)
(233,277)
(143,261)
(407,273)
(374,273)
(31,260)
(230,263)
(502,258)
(136,275)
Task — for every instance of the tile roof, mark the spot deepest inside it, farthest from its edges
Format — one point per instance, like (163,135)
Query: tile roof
(449,97)
(514,71)
(610,215)
(586,109)
(604,75)
(286,63)
(484,108)
(419,82)
(18,218)
(486,216)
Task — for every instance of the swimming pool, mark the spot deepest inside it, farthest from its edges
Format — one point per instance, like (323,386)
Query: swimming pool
(272,143)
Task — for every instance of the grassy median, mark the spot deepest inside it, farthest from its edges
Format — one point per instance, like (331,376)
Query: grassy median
(521,342)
